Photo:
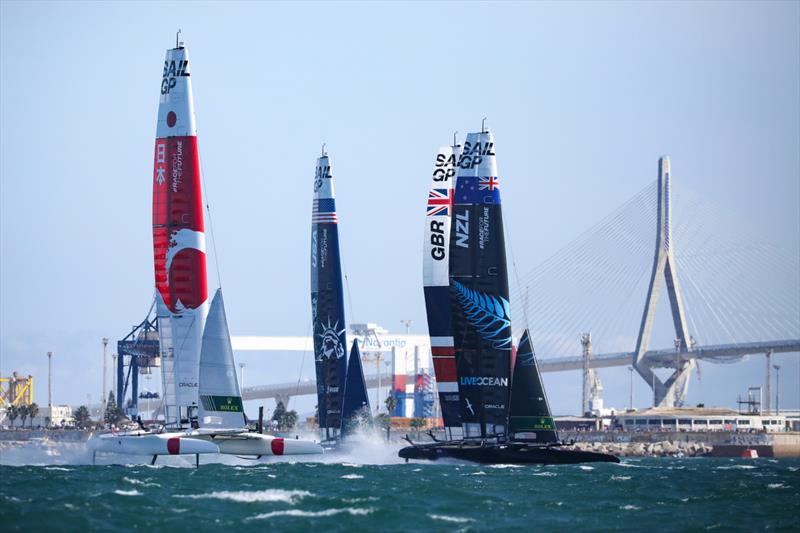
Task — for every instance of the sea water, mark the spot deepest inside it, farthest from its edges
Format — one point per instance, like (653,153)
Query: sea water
(370,489)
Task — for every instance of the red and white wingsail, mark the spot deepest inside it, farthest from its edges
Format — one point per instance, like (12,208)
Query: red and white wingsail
(179,242)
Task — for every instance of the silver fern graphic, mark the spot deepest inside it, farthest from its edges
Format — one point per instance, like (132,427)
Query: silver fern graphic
(488,314)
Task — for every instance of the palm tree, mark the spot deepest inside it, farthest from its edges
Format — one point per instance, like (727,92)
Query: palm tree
(33,412)
(12,414)
(290,419)
(417,423)
(23,414)
(391,403)
(81,416)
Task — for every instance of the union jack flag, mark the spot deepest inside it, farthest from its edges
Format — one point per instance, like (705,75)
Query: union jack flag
(439,202)
(488,183)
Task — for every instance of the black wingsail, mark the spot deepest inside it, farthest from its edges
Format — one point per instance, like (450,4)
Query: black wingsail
(355,408)
(530,419)
(479,291)
(327,302)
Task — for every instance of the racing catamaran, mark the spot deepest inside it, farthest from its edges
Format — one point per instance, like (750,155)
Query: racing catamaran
(502,421)
(180,270)
(339,386)
(195,347)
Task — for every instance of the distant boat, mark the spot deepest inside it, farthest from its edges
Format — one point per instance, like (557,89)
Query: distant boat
(503,420)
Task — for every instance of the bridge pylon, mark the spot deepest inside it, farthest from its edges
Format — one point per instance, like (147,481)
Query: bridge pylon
(672,392)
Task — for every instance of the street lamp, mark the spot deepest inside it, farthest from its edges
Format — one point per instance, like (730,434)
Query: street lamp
(241,377)
(103,396)
(50,384)
(114,375)
(777,389)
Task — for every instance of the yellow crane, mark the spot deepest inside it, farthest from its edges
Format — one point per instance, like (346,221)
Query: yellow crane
(16,391)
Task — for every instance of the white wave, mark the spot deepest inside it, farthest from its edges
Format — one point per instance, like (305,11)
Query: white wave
(244,496)
(361,500)
(139,482)
(351,476)
(132,492)
(629,507)
(478,473)
(505,466)
(777,486)
(584,467)
(620,478)
(353,465)
(454,519)
(58,468)
(310,514)
(735,467)
(545,474)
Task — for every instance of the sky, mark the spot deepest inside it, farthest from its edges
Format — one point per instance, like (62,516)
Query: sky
(583,97)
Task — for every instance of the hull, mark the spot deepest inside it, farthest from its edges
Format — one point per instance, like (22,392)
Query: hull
(151,444)
(258,444)
(511,453)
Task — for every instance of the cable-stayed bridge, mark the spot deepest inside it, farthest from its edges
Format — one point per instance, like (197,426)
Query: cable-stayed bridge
(730,293)
(596,302)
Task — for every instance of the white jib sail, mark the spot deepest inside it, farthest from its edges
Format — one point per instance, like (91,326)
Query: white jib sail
(220,399)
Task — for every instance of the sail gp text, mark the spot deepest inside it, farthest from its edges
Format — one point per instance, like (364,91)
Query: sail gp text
(172,70)
(473,153)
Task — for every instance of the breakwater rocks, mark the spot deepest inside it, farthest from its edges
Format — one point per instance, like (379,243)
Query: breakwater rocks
(648,449)
(685,444)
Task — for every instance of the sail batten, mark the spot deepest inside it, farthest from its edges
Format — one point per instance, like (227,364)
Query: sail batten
(179,248)
(327,302)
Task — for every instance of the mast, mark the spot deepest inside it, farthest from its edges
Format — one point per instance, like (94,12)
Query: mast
(479,291)
(327,302)
(179,240)
(530,419)
(435,268)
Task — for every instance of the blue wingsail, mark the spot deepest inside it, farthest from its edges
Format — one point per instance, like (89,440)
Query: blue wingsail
(327,302)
